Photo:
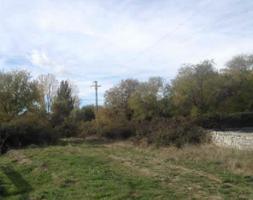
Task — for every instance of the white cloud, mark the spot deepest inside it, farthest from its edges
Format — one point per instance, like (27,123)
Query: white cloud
(40,58)
(86,40)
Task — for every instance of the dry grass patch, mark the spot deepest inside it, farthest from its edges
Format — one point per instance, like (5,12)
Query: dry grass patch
(234,160)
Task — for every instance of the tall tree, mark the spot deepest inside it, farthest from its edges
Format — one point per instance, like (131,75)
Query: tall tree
(236,91)
(63,103)
(18,93)
(240,63)
(146,102)
(48,85)
(194,88)
(117,97)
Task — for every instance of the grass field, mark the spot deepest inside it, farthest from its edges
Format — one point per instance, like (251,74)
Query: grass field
(123,171)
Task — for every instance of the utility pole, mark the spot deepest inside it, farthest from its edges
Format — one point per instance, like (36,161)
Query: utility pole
(96,86)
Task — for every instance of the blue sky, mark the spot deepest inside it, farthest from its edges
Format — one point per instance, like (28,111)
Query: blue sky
(109,40)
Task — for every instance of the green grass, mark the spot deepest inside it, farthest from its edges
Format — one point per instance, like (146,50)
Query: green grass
(123,171)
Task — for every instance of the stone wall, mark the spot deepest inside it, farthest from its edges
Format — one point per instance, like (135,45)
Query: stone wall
(235,139)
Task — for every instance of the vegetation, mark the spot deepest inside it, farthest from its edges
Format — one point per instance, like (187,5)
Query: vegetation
(48,85)
(18,93)
(125,171)
(37,112)
(40,111)
(31,112)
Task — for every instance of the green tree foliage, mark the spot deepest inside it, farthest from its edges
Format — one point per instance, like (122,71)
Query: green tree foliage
(21,122)
(240,63)
(236,85)
(113,126)
(18,94)
(30,128)
(194,89)
(139,100)
(117,97)
(63,103)
(165,113)
(149,99)
(86,113)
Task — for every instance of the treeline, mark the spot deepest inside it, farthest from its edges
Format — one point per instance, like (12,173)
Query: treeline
(171,112)
(42,110)
(38,111)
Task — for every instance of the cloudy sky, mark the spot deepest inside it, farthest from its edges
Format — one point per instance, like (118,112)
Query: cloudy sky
(109,40)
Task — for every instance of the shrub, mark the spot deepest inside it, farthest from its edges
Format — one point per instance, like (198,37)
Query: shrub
(178,132)
(88,128)
(116,131)
(226,121)
(68,128)
(26,130)
(86,113)
(113,126)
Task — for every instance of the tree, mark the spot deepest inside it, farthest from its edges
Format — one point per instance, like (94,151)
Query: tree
(18,93)
(74,91)
(48,85)
(194,89)
(63,103)
(236,91)
(117,97)
(146,101)
(86,113)
(240,63)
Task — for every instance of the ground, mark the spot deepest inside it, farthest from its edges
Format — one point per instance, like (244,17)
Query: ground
(121,170)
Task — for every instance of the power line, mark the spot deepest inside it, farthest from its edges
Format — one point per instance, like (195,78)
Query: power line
(165,36)
(203,28)
(168,34)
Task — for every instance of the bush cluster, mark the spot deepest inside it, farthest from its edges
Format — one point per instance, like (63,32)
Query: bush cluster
(159,131)
(164,113)
(226,121)
(26,130)
(113,126)
(175,131)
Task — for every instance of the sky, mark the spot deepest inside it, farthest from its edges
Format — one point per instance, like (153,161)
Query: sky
(110,40)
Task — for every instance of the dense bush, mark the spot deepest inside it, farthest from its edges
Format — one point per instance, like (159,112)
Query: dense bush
(86,113)
(108,125)
(68,128)
(116,130)
(226,121)
(26,130)
(80,123)
(159,131)
(88,128)
(177,131)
